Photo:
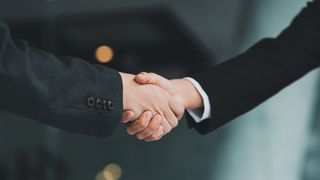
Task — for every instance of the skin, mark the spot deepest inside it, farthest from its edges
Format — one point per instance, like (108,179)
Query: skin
(182,90)
(163,110)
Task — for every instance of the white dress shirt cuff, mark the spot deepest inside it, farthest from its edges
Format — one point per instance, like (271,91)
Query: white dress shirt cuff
(202,113)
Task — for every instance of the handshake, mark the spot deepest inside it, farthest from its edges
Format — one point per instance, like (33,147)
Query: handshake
(153,105)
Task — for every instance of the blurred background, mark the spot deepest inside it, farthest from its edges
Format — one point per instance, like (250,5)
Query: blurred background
(279,140)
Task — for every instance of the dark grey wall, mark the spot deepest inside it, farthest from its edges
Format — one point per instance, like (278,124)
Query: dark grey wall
(216,23)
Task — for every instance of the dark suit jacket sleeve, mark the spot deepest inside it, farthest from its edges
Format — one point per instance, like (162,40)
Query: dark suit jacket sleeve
(55,91)
(245,81)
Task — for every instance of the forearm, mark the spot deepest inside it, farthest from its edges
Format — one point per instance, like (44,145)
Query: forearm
(242,83)
(55,90)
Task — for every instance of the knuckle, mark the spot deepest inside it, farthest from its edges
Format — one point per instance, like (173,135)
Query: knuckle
(141,124)
(168,130)
(143,134)
(180,116)
(174,126)
(149,140)
(152,127)
(154,137)
(140,136)
(181,112)
(158,138)
(174,123)
(130,131)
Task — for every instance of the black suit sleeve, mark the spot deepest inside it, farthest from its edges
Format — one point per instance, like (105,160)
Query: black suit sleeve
(66,93)
(239,85)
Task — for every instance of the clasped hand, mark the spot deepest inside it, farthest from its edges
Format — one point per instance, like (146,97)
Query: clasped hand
(154,105)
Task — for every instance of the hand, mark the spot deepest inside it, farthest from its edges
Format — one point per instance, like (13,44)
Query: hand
(147,127)
(138,98)
(182,89)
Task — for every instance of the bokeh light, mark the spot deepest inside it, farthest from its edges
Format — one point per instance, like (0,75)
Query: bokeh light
(110,172)
(104,54)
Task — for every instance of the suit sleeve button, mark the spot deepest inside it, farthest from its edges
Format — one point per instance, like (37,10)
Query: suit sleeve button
(99,104)
(105,105)
(91,102)
(110,105)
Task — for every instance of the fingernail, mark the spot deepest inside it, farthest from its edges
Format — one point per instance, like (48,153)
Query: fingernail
(158,118)
(149,115)
(131,116)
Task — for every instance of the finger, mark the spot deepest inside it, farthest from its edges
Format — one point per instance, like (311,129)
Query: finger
(152,128)
(140,124)
(155,136)
(166,125)
(127,116)
(170,116)
(152,78)
(176,107)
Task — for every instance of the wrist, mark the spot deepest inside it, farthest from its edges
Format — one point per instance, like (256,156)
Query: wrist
(188,94)
(127,80)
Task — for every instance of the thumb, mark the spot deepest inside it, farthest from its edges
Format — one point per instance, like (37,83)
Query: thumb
(127,116)
(144,78)
(155,79)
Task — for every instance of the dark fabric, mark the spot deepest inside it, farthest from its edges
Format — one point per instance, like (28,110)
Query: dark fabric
(54,90)
(242,83)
